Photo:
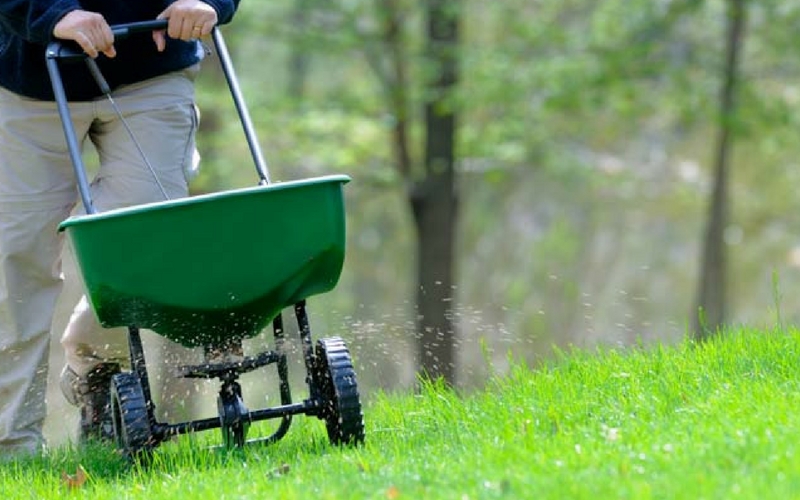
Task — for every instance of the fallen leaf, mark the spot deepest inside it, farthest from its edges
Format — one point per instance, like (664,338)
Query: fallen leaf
(74,481)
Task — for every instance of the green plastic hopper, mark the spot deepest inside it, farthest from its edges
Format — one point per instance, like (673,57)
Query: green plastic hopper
(205,270)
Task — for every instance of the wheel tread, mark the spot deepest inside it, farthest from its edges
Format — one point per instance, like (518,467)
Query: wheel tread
(343,413)
(131,422)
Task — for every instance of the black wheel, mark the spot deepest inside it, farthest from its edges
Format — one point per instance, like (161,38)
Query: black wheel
(341,407)
(132,431)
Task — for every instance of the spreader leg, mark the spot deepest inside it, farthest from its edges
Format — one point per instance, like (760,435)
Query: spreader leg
(139,367)
(283,366)
(308,347)
(283,377)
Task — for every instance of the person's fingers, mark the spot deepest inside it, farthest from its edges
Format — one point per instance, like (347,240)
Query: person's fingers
(186,29)
(107,40)
(86,44)
(175,27)
(191,29)
(203,29)
(103,40)
(110,52)
(160,38)
(90,30)
(189,19)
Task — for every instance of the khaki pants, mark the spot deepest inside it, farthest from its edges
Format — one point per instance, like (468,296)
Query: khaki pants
(38,191)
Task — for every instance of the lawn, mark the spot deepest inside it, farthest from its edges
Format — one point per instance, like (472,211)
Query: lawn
(714,420)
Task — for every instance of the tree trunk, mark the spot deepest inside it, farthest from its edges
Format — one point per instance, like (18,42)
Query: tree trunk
(433,200)
(431,188)
(710,311)
(299,56)
(435,208)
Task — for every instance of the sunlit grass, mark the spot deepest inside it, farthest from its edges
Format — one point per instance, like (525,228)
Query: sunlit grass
(717,420)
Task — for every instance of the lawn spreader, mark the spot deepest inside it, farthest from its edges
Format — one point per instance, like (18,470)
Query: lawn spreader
(210,271)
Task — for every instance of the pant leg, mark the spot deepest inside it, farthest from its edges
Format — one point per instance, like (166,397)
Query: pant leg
(37,191)
(161,115)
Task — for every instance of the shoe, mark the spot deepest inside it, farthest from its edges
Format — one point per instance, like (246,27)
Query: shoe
(92,394)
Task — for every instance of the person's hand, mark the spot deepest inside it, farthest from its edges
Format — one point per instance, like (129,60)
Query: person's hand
(89,29)
(188,20)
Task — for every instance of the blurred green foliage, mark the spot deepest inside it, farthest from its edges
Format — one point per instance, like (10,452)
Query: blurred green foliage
(586,130)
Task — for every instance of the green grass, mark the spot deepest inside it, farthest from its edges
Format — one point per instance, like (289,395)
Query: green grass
(717,420)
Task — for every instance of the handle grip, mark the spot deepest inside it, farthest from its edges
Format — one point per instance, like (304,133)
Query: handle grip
(125,30)
(69,50)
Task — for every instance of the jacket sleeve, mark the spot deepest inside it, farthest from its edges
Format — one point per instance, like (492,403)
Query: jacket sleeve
(225,9)
(34,20)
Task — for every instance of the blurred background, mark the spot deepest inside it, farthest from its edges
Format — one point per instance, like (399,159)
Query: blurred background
(527,175)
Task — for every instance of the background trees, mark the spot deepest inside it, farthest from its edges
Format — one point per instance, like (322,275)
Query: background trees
(584,160)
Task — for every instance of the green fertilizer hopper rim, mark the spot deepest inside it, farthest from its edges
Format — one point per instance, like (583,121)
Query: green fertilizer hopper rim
(201,198)
(207,269)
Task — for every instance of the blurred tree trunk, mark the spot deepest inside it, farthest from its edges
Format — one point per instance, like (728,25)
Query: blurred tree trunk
(431,188)
(299,56)
(710,310)
(433,197)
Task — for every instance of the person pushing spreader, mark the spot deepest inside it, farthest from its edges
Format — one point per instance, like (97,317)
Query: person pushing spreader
(210,271)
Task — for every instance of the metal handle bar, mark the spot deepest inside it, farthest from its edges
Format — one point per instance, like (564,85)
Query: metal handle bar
(125,30)
(241,107)
(66,51)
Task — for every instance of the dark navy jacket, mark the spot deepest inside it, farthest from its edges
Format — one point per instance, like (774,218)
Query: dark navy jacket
(26,27)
